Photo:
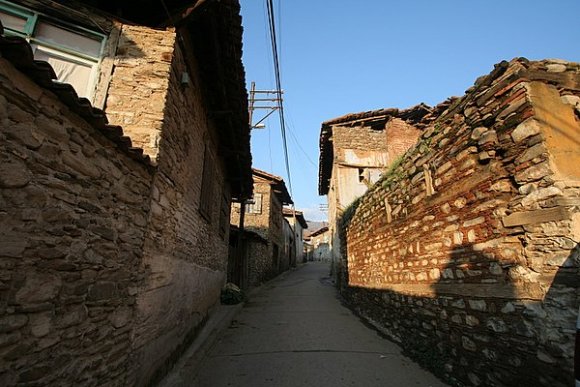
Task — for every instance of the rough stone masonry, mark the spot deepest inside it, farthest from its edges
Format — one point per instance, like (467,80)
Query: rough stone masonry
(109,262)
(467,251)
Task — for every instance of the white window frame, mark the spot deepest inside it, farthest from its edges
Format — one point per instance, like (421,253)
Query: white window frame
(33,18)
(256,206)
(93,77)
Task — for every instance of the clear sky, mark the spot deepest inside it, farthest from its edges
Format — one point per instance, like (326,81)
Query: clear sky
(340,57)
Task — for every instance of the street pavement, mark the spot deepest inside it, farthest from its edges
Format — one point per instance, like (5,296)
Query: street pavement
(295,332)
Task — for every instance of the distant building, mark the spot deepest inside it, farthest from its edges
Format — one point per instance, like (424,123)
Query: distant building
(355,149)
(318,245)
(297,224)
(264,216)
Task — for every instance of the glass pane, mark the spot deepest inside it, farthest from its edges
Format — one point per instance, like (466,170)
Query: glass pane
(13,22)
(68,70)
(71,40)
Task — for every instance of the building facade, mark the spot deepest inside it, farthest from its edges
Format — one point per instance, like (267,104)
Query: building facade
(355,150)
(134,253)
(297,226)
(264,216)
(318,245)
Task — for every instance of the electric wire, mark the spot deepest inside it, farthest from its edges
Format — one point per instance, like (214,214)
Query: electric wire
(272,25)
(293,137)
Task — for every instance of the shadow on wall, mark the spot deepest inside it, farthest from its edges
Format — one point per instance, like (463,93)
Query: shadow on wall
(560,312)
(472,326)
(564,128)
(257,261)
(475,320)
(339,269)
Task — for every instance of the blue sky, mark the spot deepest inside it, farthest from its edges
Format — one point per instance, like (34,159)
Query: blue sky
(342,56)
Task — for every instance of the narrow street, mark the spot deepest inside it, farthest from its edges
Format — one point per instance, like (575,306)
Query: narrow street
(295,332)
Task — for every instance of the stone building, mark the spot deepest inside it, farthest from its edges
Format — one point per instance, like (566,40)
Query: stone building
(355,150)
(264,216)
(467,251)
(241,258)
(319,245)
(297,224)
(115,239)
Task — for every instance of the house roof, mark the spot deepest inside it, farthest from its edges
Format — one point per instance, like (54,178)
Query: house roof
(277,184)
(152,13)
(215,29)
(321,230)
(18,51)
(375,119)
(289,213)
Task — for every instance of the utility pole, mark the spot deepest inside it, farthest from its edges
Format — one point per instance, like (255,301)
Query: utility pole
(268,100)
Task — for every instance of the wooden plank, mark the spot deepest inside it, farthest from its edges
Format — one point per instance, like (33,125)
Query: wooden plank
(564,202)
(106,68)
(536,216)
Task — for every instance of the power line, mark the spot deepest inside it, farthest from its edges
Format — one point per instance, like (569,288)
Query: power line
(272,26)
(293,137)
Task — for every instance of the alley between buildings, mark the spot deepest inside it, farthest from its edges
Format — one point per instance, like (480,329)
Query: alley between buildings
(295,332)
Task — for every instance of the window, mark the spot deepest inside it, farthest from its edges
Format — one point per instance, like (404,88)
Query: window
(207,186)
(73,52)
(256,206)
(361,175)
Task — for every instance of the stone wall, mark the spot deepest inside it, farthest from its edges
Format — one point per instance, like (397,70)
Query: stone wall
(186,250)
(267,224)
(257,222)
(260,261)
(73,220)
(358,137)
(109,265)
(467,251)
(138,84)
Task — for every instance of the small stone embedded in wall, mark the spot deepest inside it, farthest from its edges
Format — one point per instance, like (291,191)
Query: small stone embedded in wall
(472,321)
(458,237)
(468,343)
(13,173)
(389,211)
(471,236)
(479,305)
(526,129)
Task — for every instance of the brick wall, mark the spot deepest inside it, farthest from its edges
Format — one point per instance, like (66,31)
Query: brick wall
(73,220)
(467,253)
(400,137)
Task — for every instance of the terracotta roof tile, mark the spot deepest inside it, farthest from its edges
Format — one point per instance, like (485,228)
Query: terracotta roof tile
(277,183)
(18,52)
